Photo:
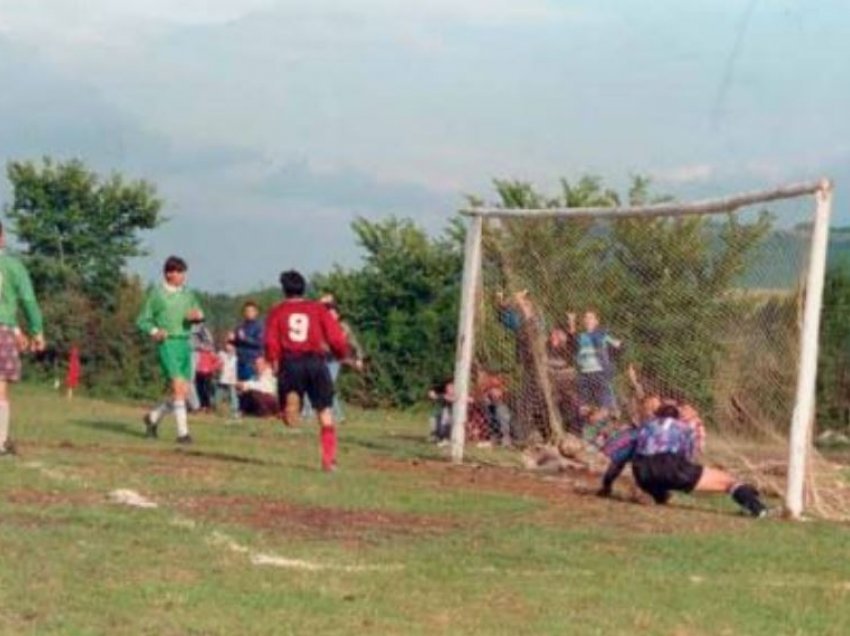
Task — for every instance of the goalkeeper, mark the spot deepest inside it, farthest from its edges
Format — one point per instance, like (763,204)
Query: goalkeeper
(661,451)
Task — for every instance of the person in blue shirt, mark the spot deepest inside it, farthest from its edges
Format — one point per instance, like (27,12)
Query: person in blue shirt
(248,340)
(594,347)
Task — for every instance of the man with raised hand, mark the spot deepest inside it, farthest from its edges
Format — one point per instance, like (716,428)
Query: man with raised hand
(299,333)
(15,292)
(167,317)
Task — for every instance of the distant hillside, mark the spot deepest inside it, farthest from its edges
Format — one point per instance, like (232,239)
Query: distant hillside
(782,257)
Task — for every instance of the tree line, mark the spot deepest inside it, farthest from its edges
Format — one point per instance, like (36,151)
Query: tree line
(77,231)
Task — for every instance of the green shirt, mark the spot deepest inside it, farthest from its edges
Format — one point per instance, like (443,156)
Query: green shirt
(15,290)
(166,308)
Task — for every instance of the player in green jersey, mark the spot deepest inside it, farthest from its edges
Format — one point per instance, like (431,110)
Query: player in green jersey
(15,291)
(167,316)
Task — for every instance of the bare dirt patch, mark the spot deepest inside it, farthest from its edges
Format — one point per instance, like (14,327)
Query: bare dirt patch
(357,526)
(26,497)
(570,497)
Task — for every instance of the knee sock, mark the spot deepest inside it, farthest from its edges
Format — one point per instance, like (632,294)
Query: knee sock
(180,416)
(4,423)
(747,497)
(327,436)
(160,411)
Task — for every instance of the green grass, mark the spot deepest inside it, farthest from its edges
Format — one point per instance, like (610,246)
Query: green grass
(403,544)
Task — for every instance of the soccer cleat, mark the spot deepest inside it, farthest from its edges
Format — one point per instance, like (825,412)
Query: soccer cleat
(8,449)
(292,409)
(184,439)
(151,431)
(329,468)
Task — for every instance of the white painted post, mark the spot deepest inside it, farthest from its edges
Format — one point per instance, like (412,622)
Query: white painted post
(804,407)
(465,334)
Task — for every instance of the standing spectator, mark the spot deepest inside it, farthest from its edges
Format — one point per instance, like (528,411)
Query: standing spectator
(248,338)
(594,347)
(354,360)
(15,293)
(72,378)
(166,317)
(205,365)
(227,376)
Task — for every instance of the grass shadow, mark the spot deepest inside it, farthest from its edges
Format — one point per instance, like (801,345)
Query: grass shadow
(223,457)
(111,426)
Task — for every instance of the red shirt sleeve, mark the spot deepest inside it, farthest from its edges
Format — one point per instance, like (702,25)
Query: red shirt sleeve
(272,336)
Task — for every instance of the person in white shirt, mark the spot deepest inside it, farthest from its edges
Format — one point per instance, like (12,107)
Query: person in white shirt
(227,377)
(258,396)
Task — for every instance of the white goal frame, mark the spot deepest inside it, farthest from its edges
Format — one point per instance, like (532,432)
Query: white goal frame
(804,405)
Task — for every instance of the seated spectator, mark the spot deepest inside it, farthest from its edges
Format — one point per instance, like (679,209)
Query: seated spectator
(258,396)
(490,395)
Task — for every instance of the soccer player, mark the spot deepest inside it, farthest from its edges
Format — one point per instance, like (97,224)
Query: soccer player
(298,335)
(15,290)
(167,317)
(662,455)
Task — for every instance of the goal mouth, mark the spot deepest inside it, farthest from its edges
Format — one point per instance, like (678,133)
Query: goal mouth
(577,319)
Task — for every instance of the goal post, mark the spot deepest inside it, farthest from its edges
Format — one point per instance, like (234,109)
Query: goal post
(798,430)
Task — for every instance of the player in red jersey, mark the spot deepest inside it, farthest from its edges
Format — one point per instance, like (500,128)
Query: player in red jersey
(299,333)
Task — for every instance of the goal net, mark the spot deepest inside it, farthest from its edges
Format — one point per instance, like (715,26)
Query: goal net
(577,322)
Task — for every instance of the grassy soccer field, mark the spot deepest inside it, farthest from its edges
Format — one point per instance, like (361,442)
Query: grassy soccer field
(249,538)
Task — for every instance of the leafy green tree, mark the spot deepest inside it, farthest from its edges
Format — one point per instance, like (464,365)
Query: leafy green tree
(77,228)
(403,305)
(833,388)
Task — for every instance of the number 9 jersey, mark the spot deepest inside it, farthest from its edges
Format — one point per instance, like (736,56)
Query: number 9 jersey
(298,327)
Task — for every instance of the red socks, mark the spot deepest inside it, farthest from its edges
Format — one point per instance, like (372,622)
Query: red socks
(327,437)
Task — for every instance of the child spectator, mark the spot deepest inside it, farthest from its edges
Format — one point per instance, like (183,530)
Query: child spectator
(491,397)
(593,360)
(258,396)
(248,339)
(205,365)
(227,376)
(443,396)
(690,417)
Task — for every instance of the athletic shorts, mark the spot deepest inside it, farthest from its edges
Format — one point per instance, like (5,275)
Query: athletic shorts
(659,474)
(175,358)
(10,360)
(306,375)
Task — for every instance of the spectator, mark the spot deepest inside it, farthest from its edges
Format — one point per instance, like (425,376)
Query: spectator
(205,365)
(248,339)
(354,360)
(443,396)
(227,376)
(258,396)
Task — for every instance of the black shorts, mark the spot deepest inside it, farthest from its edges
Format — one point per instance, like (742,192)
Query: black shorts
(659,474)
(306,375)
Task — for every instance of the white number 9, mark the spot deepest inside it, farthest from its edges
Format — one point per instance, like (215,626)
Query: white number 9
(299,324)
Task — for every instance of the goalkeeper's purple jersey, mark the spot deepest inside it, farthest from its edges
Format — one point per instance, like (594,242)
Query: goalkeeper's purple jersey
(665,436)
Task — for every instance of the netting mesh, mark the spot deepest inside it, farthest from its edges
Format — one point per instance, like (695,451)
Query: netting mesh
(582,324)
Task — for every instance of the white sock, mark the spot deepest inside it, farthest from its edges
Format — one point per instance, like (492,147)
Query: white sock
(4,422)
(161,411)
(180,416)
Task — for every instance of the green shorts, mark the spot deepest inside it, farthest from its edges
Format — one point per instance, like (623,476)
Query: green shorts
(175,358)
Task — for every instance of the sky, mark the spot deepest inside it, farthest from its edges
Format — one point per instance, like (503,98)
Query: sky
(269,125)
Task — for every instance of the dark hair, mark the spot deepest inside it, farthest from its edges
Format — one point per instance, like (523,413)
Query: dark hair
(174,264)
(250,303)
(293,284)
(667,410)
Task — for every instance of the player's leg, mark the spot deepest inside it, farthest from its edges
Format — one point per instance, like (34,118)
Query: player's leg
(289,391)
(743,494)
(6,447)
(180,390)
(320,390)
(10,371)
